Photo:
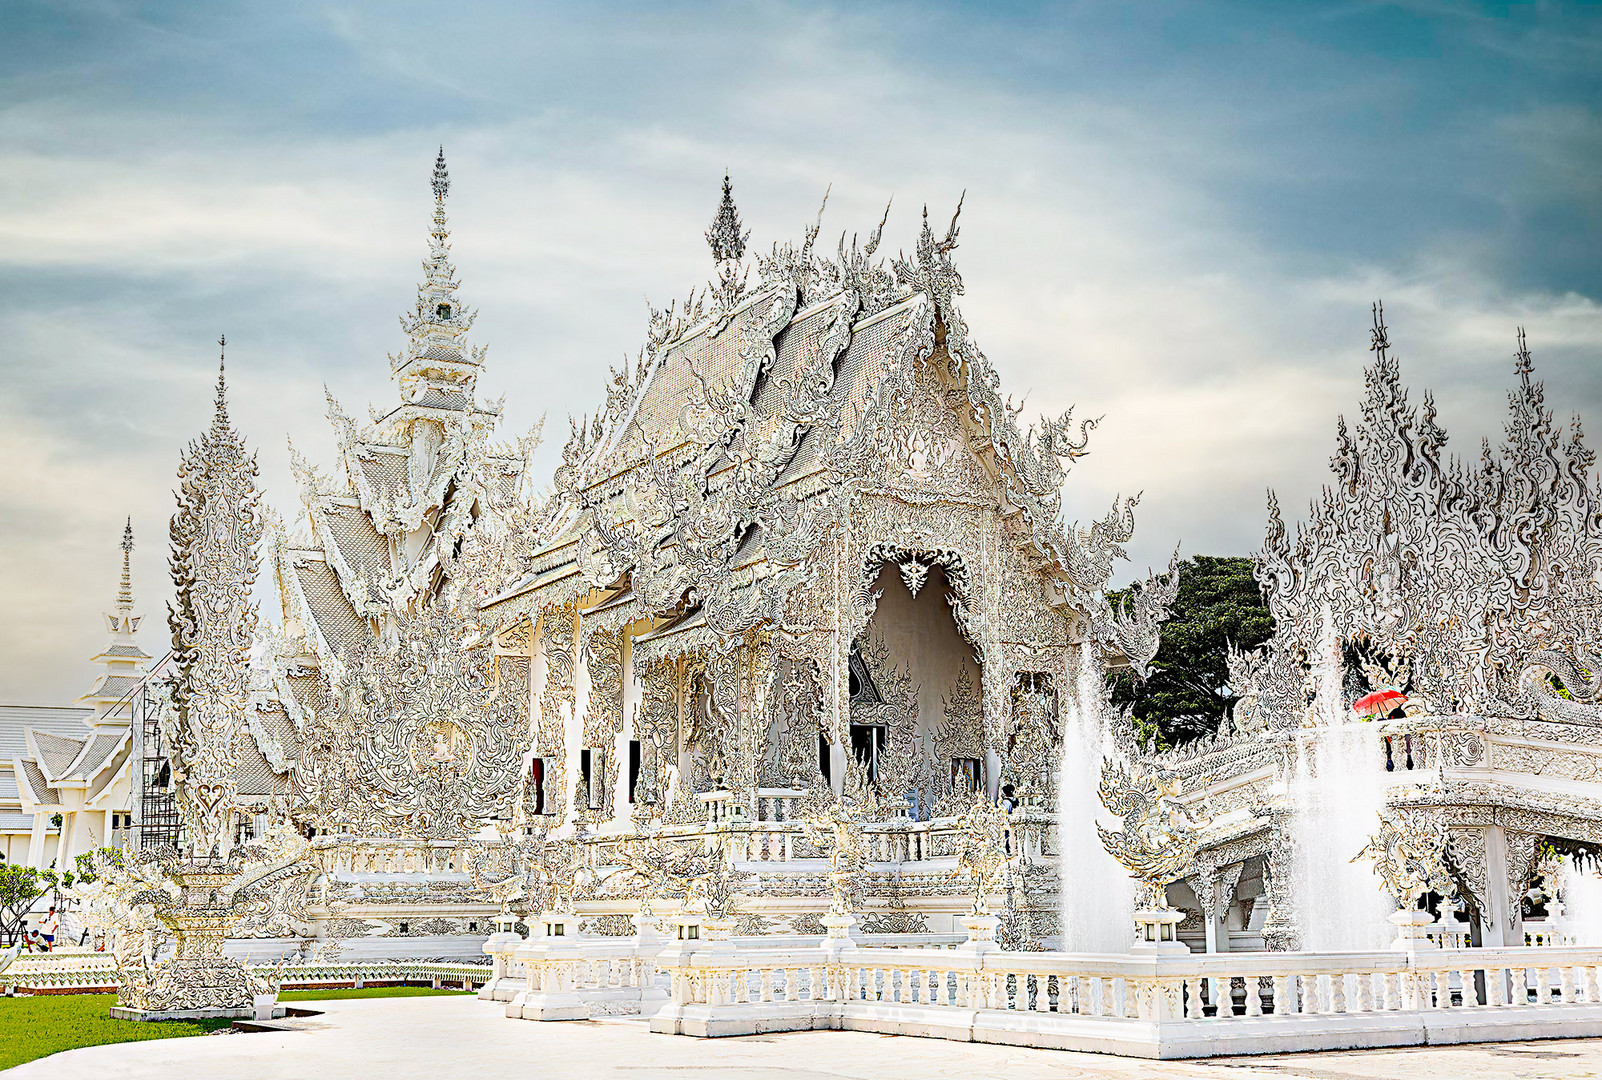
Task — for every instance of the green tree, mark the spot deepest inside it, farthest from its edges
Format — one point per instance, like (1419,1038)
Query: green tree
(20,886)
(1188,693)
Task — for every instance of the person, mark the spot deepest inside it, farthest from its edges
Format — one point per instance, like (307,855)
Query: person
(1009,803)
(48,927)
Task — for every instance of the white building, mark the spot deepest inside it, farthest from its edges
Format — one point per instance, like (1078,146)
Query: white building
(64,783)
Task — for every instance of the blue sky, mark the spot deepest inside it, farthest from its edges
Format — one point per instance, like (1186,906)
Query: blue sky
(1177,216)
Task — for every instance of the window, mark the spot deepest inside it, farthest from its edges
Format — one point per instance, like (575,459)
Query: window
(634,766)
(443,311)
(867,741)
(967,774)
(536,787)
(592,776)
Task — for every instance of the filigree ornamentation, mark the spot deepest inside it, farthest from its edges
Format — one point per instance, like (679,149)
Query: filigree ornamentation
(419,734)
(1158,840)
(984,842)
(214,537)
(1410,854)
(1480,581)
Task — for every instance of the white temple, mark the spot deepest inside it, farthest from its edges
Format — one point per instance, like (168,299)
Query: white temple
(784,666)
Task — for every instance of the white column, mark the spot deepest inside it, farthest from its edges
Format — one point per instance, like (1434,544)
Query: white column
(992,774)
(67,848)
(1499,926)
(36,840)
(632,695)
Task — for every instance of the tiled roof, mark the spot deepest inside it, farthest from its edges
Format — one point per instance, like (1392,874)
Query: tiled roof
(56,754)
(113,686)
(256,775)
(716,358)
(363,549)
(386,473)
(67,720)
(95,754)
(335,617)
(35,781)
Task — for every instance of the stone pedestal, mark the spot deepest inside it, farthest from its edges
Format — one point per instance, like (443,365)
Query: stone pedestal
(551,955)
(841,932)
(198,982)
(981,934)
(1157,932)
(1411,930)
(500,946)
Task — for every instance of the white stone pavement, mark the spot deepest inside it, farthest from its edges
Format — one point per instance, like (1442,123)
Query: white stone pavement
(438,1038)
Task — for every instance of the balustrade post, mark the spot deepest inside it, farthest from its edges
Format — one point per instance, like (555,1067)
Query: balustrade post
(1254,996)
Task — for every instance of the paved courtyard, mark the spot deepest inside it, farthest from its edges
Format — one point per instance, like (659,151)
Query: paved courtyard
(405,1038)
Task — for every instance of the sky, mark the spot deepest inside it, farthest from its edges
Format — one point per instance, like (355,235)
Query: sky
(1177,216)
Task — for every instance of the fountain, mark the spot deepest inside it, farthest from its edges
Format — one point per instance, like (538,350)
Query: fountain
(1582,903)
(1097,893)
(1337,788)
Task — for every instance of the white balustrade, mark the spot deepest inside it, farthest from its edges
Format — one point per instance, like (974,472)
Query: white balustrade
(1157,1006)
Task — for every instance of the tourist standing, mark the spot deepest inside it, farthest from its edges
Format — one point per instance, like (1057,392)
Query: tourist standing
(48,928)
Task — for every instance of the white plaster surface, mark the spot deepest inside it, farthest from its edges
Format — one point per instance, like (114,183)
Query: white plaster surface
(435,1037)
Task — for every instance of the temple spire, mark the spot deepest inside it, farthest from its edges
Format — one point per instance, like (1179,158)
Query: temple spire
(219,419)
(121,660)
(436,353)
(727,241)
(125,596)
(442,178)
(724,237)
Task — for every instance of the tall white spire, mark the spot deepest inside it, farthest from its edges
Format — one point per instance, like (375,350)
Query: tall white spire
(437,356)
(215,531)
(122,659)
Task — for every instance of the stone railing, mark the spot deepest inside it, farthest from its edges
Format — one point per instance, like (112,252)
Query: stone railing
(60,972)
(347,855)
(1145,1006)
(94,972)
(1536,936)
(311,974)
(566,977)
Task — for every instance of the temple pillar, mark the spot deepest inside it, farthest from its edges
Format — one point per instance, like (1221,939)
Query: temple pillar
(1501,915)
(66,846)
(633,697)
(36,839)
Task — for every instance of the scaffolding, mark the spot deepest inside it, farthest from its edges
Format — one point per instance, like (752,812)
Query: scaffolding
(155,808)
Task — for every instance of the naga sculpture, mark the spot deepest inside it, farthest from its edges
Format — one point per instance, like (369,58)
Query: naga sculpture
(1411,857)
(1159,840)
(1580,700)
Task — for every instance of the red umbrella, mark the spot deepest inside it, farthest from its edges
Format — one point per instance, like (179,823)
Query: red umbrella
(1379,702)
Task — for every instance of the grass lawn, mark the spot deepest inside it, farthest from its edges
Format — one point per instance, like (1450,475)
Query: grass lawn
(336,993)
(31,1027)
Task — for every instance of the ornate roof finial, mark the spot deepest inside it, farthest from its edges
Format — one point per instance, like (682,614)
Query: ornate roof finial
(125,597)
(438,325)
(219,420)
(1378,341)
(724,237)
(442,179)
(1522,362)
